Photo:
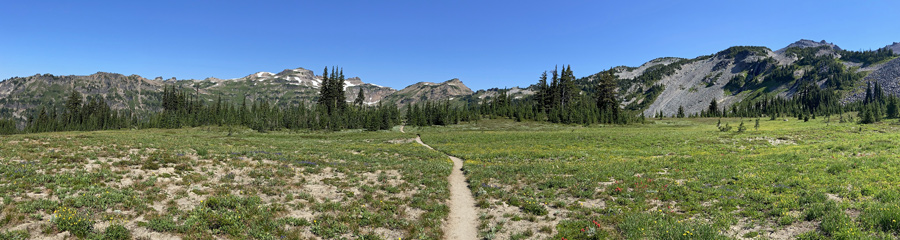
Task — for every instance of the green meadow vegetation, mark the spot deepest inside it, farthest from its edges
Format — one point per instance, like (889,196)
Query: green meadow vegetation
(680,179)
(675,178)
(201,183)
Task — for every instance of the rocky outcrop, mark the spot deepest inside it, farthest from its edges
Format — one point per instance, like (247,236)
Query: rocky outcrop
(696,82)
(121,92)
(373,93)
(514,93)
(806,43)
(138,94)
(428,91)
(895,47)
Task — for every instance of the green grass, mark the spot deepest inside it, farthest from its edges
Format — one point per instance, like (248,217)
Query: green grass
(680,174)
(668,179)
(199,184)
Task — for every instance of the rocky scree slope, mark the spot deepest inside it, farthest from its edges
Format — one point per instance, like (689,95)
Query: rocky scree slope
(665,84)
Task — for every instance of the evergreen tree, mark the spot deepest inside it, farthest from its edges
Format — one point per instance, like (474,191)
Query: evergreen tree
(542,96)
(324,88)
(713,110)
(869,96)
(607,102)
(360,98)
(893,107)
(73,104)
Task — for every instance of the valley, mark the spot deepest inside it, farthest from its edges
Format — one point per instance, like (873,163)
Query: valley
(665,179)
(746,143)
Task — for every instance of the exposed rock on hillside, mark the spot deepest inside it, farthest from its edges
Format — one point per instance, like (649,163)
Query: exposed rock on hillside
(425,91)
(895,47)
(887,75)
(806,43)
(514,93)
(138,94)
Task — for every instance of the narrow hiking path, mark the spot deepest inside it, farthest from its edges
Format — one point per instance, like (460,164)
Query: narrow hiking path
(461,224)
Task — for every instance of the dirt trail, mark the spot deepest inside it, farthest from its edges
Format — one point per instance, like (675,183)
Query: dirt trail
(463,215)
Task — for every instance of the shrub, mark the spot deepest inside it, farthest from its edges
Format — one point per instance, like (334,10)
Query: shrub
(68,219)
(161,224)
(812,235)
(15,235)
(116,232)
(535,209)
(725,128)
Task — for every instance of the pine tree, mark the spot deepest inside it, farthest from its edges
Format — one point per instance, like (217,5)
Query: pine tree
(893,108)
(324,88)
(607,103)
(340,100)
(73,105)
(680,112)
(878,93)
(554,88)
(360,98)
(542,95)
(869,96)
(568,90)
(713,110)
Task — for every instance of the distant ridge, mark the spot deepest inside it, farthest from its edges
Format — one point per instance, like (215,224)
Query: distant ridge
(661,85)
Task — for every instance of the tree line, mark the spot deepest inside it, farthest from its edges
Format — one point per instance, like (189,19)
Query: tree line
(181,108)
(559,98)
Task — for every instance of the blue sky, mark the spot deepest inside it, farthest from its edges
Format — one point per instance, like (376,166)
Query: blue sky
(398,43)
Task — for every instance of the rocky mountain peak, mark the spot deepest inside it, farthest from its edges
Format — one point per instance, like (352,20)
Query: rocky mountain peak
(806,43)
(455,82)
(895,47)
(354,81)
(428,91)
(296,72)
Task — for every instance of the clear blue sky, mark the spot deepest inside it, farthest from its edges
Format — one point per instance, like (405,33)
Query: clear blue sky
(397,43)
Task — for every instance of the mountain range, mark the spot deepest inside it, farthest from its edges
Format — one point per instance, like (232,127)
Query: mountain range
(660,85)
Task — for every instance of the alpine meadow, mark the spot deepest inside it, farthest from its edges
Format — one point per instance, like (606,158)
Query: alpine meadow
(569,126)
